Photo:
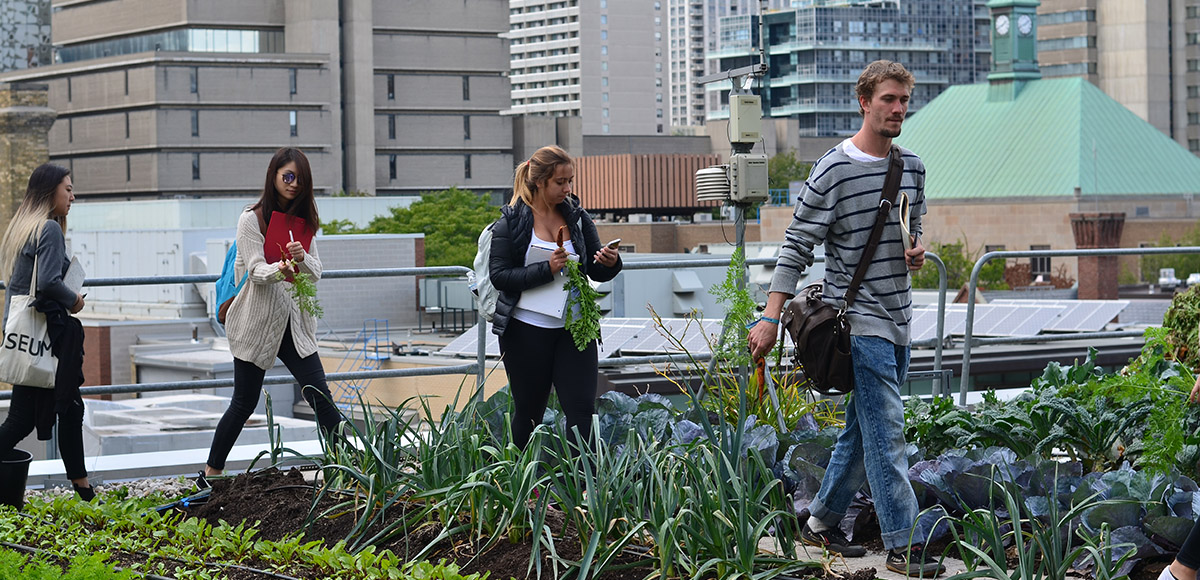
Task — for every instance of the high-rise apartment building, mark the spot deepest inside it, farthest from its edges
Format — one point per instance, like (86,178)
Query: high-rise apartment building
(165,98)
(1143,54)
(601,60)
(24,34)
(692,33)
(817,50)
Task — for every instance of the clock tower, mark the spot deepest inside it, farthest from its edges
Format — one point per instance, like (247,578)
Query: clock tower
(1014,46)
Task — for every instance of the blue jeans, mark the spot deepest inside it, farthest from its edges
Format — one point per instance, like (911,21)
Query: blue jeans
(871,446)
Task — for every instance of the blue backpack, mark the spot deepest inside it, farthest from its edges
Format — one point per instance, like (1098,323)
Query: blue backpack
(228,286)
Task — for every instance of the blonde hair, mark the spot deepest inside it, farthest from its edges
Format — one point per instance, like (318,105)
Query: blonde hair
(31,216)
(538,169)
(877,72)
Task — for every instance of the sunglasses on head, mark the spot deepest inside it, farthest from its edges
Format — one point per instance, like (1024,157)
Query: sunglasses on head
(289,177)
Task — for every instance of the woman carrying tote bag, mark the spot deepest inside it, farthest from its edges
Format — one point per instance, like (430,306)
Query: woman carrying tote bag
(36,232)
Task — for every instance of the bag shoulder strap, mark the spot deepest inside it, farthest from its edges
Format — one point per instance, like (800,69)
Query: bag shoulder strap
(891,186)
(33,280)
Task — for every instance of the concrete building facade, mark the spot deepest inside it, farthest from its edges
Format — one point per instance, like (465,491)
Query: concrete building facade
(817,50)
(1145,55)
(172,98)
(601,60)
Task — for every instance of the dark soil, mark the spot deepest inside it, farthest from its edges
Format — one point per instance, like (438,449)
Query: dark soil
(280,501)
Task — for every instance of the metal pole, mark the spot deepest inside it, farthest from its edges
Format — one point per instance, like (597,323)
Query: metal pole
(739,225)
(940,388)
(618,295)
(481,358)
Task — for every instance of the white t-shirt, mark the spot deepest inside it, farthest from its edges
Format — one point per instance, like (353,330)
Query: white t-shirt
(537,318)
(857,154)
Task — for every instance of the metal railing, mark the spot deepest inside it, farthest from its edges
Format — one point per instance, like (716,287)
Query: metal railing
(969,340)
(479,367)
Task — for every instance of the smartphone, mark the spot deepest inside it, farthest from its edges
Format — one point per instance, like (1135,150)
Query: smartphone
(613,244)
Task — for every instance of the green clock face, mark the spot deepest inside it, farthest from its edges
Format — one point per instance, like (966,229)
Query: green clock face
(1002,25)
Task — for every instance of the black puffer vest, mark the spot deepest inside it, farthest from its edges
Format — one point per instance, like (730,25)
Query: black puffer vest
(510,240)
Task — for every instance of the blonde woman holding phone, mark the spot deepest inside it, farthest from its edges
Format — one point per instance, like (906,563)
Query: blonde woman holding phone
(537,350)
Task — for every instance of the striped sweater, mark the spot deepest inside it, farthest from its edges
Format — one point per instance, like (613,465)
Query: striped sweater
(837,207)
(263,309)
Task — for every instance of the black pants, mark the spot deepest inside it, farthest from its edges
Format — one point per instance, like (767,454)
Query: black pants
(1189,554)
(22,420)
(247,386)
(536,358)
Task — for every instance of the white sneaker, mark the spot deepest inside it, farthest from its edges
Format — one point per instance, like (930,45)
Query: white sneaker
(1166,574)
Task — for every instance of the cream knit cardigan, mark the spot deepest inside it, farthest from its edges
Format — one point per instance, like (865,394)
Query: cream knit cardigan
(260,312)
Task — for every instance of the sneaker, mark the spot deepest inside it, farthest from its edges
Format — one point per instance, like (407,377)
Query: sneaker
(832,540)
(1166,574)
(915,562)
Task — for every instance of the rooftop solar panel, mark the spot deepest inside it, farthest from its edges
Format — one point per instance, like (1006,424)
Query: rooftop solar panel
(1078,315)
(690,334)
(923,326)
(465,343)
(616,332)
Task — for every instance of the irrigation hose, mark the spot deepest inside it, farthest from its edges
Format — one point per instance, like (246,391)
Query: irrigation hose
(39,551)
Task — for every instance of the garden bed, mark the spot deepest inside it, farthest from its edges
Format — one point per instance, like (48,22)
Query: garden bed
(276,503)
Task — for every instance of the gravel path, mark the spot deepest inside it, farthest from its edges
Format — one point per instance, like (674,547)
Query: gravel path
(170,487)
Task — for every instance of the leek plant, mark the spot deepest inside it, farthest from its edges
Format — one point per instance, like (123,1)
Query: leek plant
(728,516)
(369,465)
(597,488)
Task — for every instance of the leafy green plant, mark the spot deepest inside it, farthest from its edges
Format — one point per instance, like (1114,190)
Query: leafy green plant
(928,423)
(1181,322)
(583,314)
(89,567)
(739,311)
(186,548)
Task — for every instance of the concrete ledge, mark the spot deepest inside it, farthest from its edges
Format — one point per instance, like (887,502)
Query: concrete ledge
(162,463)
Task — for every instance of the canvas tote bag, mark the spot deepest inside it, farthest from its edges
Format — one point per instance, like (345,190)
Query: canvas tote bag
(25,357)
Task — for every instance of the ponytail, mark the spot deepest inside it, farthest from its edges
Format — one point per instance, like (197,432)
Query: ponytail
(538,169)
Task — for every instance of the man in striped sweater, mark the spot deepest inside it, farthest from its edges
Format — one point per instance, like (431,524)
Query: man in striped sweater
(837,208)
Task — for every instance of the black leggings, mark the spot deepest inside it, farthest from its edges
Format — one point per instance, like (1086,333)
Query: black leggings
(1189,554)
(21,422)
(247,386)
(536,358)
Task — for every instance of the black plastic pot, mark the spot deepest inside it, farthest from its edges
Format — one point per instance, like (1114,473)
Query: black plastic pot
(14,469)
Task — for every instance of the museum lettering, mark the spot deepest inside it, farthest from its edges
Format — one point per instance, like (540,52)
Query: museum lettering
(25,343)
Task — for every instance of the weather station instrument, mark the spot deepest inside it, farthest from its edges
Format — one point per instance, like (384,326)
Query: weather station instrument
(743,181)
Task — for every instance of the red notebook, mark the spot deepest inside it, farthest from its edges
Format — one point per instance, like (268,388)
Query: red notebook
(285,228)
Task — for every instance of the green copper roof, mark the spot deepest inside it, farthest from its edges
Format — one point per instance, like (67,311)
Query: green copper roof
(1056,135)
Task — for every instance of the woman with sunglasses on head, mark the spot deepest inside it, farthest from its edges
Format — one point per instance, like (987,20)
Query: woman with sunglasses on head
(36,231)
(264,321)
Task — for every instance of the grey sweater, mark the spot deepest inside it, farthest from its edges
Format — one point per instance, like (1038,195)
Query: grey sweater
(837,207)
(52,263)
